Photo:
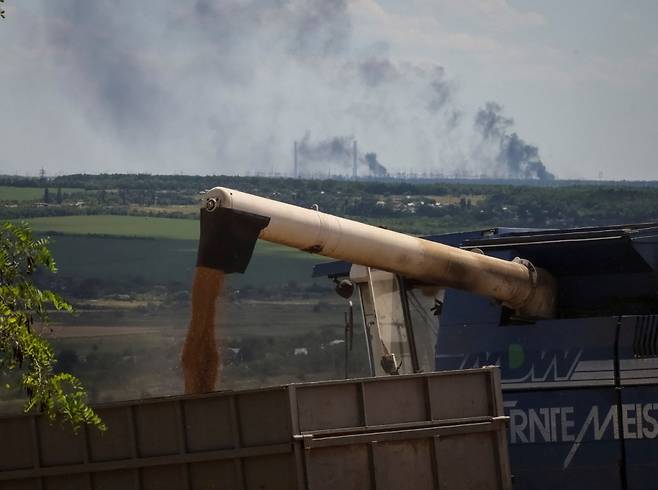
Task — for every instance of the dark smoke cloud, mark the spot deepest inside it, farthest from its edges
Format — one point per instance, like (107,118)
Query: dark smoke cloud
(337,149)
(314,156)
(376,168)
(518,159)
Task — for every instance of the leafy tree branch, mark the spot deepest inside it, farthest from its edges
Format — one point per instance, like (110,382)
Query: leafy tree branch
(24,351)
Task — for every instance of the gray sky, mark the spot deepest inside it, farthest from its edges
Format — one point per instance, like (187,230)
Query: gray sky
(463,87)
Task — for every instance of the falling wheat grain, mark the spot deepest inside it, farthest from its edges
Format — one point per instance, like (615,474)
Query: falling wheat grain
(200,359)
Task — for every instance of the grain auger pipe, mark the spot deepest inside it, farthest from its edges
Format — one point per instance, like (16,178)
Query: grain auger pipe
(231,221)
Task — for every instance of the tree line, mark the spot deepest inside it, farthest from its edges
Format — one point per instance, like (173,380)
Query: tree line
(441,205)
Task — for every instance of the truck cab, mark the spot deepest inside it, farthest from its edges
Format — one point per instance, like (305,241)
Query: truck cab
(581,388)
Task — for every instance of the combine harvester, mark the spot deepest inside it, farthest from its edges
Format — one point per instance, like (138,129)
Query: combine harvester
(569,316)
(576,371)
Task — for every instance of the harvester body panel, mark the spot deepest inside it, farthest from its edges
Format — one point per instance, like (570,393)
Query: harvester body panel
(581,389)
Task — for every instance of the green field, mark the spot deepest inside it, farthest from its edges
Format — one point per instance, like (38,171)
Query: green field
(188,229)
(127,226)
(158,250)
(21,194)
(159,261)
(142,227)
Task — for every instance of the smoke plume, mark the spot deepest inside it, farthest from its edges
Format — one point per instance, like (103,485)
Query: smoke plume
(226,86)
(513,157)
(336,150)
(335,155)
(376,168)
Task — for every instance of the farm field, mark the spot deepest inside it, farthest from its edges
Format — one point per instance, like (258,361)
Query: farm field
(419,226)
(248,318)
(26,194)
(156,250)
(189,210)
(188,229)
(181,228)
(139,357)
(129,278)
(127,344)
(126,349)
(127,226)
(139,227)
(159,261)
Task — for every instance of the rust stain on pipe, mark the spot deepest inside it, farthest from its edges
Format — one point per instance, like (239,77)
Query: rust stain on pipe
(314,249)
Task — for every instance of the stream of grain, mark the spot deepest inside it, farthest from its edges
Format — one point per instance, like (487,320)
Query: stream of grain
(201,359)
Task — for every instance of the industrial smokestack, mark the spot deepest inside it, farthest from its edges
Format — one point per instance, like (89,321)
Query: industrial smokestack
(354,160)
(296,162)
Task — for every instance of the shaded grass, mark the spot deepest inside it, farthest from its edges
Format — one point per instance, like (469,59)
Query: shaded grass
(161,261)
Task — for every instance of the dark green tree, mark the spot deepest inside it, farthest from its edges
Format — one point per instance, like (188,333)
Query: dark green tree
(59,195)
(23,352)
(46,195)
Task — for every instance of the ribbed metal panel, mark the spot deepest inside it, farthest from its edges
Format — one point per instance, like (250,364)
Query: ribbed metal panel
(437,430)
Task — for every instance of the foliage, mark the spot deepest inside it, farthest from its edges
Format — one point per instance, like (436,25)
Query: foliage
(419,207)
(2,11)
(21,348)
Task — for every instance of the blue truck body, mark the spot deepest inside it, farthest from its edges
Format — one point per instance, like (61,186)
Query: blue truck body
(581,390)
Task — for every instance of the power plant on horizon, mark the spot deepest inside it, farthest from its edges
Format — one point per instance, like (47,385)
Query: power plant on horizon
(339,157)
(310,159)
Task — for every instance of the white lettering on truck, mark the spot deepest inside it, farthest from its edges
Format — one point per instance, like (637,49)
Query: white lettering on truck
(558,424)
